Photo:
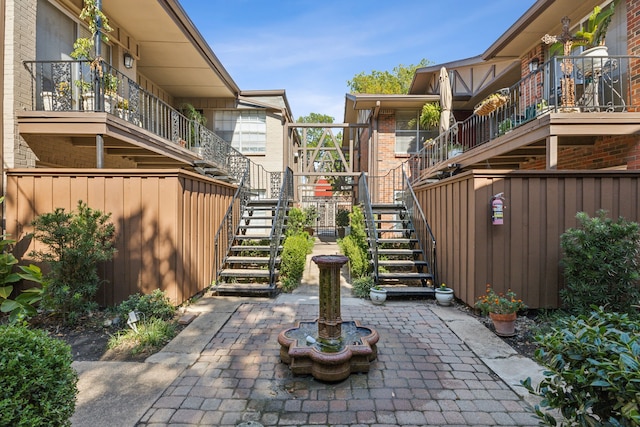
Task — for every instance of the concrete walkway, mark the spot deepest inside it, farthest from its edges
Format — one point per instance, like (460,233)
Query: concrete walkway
(435,366)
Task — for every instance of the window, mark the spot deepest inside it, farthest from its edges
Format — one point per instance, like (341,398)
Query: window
(409,136)
(246,130)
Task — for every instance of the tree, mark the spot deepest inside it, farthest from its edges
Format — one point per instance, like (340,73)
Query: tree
(396,81)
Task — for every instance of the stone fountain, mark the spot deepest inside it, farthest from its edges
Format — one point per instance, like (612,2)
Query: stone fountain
(328,348)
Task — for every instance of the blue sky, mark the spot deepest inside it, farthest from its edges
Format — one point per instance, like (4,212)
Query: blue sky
(311,49)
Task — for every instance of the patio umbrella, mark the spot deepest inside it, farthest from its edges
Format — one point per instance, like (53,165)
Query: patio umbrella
(446,99)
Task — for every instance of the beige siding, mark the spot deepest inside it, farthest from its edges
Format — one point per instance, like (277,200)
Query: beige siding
(165,221)
(524,253)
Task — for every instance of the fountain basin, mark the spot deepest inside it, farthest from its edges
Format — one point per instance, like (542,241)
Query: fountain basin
(328,359)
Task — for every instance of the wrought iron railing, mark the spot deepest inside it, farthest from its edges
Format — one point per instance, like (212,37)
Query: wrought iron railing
(365,203)
(385,188)
(286,194)
(562,84)
(90,87)
(426,239)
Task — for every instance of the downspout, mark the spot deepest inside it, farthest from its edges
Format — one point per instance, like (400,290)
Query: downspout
(99,102)
(3,177)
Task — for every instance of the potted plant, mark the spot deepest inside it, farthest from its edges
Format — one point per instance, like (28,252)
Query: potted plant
(196,121)
(430,115)
(310,217)
(502,309)
(122,109)
(591,36)
(454,150)
(444,295)
(84,48)
(342,221)
(378,295)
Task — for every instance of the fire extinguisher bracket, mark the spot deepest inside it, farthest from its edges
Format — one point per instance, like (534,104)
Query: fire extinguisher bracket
(497,209)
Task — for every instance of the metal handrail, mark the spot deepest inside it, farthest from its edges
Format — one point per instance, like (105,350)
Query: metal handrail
(365,202)
(600,84)
(420,226)
(286,192)
(80,86)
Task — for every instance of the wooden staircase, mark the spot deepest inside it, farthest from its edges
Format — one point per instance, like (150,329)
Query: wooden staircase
(246,270)
(402,266)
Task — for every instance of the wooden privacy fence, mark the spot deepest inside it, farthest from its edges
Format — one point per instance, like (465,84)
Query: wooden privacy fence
(165,223)
(524,253)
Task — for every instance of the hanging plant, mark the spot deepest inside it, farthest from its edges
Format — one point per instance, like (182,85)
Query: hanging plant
(83,47)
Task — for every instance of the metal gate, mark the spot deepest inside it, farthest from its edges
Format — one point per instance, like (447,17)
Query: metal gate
(327,208)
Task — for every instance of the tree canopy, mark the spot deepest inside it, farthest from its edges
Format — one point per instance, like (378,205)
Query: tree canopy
(396,81)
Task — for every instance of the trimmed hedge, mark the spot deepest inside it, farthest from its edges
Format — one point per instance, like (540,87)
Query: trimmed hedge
(37,383)
(294,257)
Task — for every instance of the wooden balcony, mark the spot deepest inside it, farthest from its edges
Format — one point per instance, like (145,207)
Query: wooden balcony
(538,118)
(72,100)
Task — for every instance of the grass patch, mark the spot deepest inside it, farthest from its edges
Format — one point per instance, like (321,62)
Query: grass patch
(150,337)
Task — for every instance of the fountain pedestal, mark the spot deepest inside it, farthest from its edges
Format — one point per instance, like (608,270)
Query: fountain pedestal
(328,349)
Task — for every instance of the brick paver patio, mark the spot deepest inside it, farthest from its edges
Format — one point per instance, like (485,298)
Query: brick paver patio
(424,375)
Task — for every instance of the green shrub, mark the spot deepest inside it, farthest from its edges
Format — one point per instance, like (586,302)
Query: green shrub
(357,259)
(601,264)
(362,286)
(342,218)
(593,374)
(155,305)
(355,246)
(294,258)
(76,242)
(295,222)
(37,383)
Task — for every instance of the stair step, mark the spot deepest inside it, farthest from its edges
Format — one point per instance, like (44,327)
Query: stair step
(409,291)
(263,202)
(251,236)
(255,226)
(400,241)
(256,248)
(244,272)
(249,260)
(401,263)
(403,275)
(399,252)
(245,289)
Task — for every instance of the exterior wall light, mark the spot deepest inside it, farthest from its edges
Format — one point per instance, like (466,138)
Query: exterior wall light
(533,65)
(128,60)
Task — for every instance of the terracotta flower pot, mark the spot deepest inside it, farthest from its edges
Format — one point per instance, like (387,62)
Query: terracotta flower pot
(505,324)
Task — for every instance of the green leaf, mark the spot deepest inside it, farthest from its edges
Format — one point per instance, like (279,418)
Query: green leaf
(9,306)
(600,383)
(629,361)
(5,291)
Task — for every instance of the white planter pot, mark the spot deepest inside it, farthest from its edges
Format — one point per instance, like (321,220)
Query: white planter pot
(444,297)
(47,100)
(594,60)
(454,152)
(88,101)
(378,296)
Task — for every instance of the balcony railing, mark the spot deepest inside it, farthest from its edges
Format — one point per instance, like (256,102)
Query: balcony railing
(77,86)
(563,84)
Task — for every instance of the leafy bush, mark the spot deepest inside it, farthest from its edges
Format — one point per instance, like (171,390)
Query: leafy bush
(37,383)
(77,242)
(310,215)
(342,218)
(357,259)
(601,264)
(152,334)
(294,258)
(295,222)
(155,305)
(362,286)
(594,370)
(355,246)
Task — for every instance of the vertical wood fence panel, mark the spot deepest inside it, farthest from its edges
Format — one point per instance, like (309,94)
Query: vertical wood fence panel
(524,253)
(165,222)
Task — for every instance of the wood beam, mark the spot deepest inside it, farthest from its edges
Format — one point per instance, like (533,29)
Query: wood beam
(552,152)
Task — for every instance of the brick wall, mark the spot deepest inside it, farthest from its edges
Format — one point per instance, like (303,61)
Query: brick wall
(633,47)
(607,152)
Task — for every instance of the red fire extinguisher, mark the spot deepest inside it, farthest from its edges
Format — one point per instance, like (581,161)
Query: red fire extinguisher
(497,209)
